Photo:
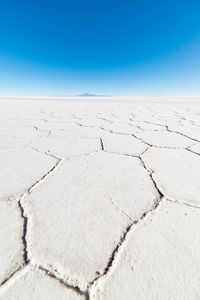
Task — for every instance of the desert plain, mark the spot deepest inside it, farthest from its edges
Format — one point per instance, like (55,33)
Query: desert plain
(100,198)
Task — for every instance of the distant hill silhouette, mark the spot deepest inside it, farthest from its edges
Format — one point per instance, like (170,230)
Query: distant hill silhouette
(91,95)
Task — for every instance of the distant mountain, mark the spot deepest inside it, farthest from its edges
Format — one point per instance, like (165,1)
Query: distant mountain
(91,95)
(61,95)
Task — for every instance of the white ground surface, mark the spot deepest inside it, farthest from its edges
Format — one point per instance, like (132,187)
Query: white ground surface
(100,199)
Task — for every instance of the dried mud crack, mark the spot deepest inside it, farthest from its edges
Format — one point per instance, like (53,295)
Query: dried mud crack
(24,241)
(64,282)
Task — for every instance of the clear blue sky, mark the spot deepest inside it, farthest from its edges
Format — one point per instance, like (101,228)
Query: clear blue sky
(118,47)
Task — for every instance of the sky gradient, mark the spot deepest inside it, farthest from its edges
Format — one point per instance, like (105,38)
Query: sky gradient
(104,47)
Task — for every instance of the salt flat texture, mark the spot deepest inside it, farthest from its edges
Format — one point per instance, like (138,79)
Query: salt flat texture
(100,198)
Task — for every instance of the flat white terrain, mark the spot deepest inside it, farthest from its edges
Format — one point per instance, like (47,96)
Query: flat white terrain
(100,198)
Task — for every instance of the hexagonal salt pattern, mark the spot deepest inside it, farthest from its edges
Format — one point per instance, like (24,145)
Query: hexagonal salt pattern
(99,198)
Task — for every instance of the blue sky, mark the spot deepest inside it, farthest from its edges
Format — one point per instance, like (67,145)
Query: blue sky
(129,47)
